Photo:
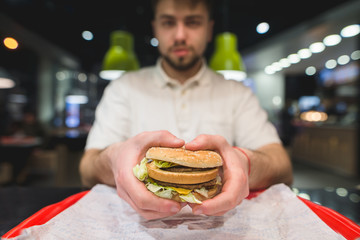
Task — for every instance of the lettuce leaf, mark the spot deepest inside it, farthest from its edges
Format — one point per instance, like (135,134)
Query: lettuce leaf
(202,191)
(218,180)
(164,164)
(159,191)
(189,198)
(140,171)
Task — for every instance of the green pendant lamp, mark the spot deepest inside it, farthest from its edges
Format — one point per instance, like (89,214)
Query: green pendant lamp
(120,57)
(226,58)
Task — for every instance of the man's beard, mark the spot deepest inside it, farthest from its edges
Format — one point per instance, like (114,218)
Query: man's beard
(180,65)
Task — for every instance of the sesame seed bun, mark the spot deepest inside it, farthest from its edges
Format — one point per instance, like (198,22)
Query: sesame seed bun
(181,156)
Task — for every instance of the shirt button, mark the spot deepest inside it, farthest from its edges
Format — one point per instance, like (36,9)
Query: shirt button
(183,106)
(183,92)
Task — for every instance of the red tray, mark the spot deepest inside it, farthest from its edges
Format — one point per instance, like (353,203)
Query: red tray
(339,223)
(44,215)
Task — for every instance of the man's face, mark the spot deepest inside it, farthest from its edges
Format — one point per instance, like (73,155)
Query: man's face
(183,31)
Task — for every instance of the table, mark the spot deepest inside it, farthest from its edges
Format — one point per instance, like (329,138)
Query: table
(16,151)
(343,200)
(18,203)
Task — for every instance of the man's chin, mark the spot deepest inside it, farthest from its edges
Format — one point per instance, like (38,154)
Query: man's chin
(181,63)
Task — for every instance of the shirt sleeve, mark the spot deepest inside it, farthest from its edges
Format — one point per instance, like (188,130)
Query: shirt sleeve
(251,124)
(111,117)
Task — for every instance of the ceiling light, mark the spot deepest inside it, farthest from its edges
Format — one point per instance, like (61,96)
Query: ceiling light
(284,62)
(317,47)
(77,99)
(304,53)
(269,70)
(82,77)
(10,43)
(276,66)
(314,116)
(330,64)
(332,40)
(344,59)
(233,74)
(6,81)
(154,42)
(60,75)
(350,31)
(355,55)
(262,27)
(277,100)
(111,74)
(310,71)
(87,35)
(294,58)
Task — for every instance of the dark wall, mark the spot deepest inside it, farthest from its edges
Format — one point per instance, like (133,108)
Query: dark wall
(299,85)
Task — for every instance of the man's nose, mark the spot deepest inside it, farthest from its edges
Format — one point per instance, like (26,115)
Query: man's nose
(180,34)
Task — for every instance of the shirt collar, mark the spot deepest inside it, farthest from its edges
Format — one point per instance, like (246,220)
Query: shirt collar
(164,80)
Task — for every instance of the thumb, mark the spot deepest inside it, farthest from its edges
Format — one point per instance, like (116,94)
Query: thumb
(162,139)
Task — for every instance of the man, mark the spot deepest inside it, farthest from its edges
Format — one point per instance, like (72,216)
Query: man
(178,101)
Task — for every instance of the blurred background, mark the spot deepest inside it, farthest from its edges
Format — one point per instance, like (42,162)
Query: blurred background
(301,58)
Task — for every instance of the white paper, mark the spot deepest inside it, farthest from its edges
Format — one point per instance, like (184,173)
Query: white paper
(275,214)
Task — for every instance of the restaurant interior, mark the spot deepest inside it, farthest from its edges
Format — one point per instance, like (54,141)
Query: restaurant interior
(300,58)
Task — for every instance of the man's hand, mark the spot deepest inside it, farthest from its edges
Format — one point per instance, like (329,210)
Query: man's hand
(124,156)
(235,179)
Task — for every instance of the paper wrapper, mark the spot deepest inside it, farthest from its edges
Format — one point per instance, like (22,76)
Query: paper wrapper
(275,214)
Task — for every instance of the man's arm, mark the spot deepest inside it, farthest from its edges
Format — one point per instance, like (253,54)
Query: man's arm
(270,164)
(94,168)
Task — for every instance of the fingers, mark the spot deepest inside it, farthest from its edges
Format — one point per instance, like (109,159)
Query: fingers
(235,180)
(144,202)
(158,139)
(136,192)
(214,142)
(232,195)
(235,189)
(147,214)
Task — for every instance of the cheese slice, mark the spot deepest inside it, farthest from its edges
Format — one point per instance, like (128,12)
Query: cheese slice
(182,191)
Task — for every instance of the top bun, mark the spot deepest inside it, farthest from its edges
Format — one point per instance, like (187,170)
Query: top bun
(181,156)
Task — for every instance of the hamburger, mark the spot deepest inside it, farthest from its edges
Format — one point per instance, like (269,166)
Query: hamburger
(179,174)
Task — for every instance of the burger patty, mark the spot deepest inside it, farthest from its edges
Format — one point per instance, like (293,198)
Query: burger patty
(208,184)
(184,169)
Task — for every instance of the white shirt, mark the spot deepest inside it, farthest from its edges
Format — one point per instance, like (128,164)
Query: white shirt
(149,100)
